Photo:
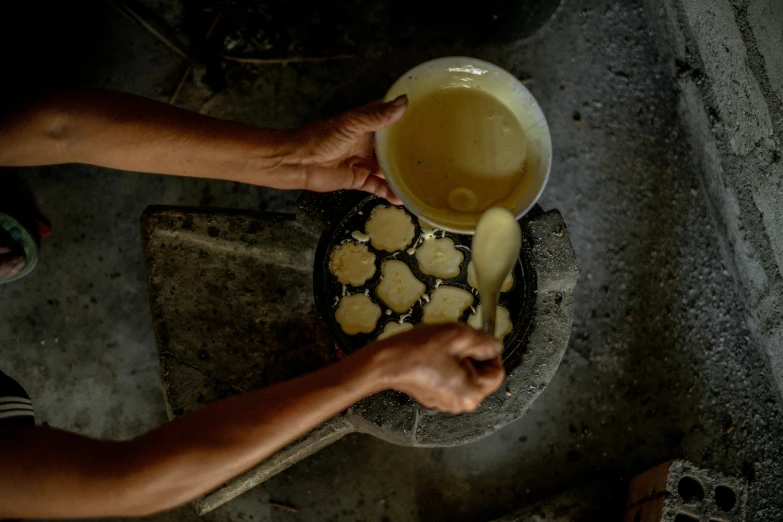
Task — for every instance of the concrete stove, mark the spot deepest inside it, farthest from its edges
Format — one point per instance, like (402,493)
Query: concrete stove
(232,304)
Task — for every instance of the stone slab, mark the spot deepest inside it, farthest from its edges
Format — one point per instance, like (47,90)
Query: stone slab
(732,120)
(231,299)
(741,225)
(739,98)
(233,310)
(766,21)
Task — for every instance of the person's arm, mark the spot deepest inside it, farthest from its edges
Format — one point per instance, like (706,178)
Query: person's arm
(47,473)
(129,132)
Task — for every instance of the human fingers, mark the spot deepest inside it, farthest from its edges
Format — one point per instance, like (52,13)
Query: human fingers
(11,265)
(464,401)
(365,178)
(392,197)
(488,375)
(451,399)
(12,259)
(476,344)
(380,188)
(376,116)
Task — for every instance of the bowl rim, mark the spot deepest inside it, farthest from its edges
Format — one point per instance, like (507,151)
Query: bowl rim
(380,136)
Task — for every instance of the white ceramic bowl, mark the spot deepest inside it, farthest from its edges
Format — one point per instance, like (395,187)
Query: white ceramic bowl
(464,72)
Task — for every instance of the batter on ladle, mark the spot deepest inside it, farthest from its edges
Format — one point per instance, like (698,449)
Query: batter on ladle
(508,282)
(503,325)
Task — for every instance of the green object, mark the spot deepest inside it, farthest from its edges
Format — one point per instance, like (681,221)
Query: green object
(21,235)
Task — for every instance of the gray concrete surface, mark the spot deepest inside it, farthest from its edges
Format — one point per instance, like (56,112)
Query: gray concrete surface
(726,56)
(661,363)
(574,505)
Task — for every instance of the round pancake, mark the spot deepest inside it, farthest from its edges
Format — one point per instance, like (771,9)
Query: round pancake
(357,314)
(399,289)
(508,282)
(439,258)
(446,305)
(352,263)
(393,328)
(390,229)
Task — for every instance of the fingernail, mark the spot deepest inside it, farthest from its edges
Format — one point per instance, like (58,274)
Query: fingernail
(399,101)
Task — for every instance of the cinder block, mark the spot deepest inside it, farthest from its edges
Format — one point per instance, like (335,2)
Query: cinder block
(678,491)
(766,21)
(729,74)
(766,181)
(740,101)
(748,212)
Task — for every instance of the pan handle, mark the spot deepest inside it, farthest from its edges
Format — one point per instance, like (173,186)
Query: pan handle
(329,432)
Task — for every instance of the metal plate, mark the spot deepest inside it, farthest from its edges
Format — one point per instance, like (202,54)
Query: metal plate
(328,291)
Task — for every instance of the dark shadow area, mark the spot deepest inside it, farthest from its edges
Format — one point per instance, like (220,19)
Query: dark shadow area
(46,44)
(18,201)
(660,364)
(442,22)
(690,489)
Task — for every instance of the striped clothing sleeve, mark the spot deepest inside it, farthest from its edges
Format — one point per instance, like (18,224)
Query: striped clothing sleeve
(15,404)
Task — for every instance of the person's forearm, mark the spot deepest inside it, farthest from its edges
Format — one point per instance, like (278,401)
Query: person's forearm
(132,133)
(183,459)
(80,477)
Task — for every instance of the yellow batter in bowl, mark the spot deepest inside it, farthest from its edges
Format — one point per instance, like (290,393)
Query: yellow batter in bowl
(472,137)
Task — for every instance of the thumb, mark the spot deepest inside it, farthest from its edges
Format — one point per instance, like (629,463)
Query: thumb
(365,177)
(489,374)
(377,116)
(479,345)
(356,174)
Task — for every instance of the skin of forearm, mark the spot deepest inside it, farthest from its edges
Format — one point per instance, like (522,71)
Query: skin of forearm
(79,477)
(128,132)
(244,430)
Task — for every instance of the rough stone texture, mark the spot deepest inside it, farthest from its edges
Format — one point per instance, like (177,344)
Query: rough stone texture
(660,364)
(231,298)
(233,310)
(739,99)
(733,120)
(678,491)
(764,18)
(393,417)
